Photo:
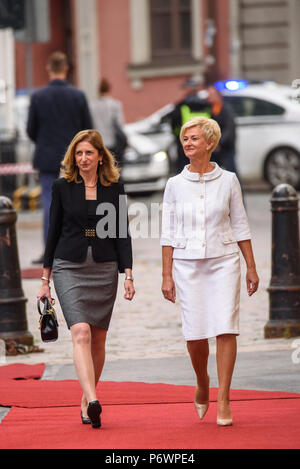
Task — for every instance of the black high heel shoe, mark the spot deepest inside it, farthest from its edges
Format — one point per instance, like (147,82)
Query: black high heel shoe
(94,410)
(85,420)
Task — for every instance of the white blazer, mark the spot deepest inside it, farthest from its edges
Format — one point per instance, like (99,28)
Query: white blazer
(203,217)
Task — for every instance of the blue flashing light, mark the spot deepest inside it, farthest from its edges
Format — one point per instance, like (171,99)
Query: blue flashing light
(231,85)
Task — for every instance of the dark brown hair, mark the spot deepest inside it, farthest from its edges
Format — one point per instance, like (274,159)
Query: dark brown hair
(58,62)
(104,86)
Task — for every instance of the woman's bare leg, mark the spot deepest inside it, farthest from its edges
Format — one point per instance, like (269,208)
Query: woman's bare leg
(226,356)
(98,340)
(199,351)
(98,351)
(83,360)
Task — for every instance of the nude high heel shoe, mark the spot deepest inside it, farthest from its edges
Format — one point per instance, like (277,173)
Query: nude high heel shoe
(201,409)
(225,422)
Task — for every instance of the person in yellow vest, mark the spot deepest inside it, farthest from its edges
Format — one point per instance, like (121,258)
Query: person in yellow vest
(210,103)
(190,106)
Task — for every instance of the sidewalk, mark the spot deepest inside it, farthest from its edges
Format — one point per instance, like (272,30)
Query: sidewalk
(145,342)
(149,326)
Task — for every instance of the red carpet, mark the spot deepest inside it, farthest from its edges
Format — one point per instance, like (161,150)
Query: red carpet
(258,424)
(20,371)
(33,394)
(46,414)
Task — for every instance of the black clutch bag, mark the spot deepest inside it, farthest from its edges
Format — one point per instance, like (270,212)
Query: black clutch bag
(48,322)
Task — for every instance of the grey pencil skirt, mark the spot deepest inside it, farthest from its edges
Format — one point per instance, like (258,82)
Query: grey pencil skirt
(86,291)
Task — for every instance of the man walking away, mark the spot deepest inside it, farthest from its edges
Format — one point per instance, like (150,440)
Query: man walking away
(57,113)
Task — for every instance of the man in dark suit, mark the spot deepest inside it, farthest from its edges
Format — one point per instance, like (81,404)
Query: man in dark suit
(221,112)
(57,113)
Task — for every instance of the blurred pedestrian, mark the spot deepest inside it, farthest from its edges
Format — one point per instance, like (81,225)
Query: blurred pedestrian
(108,118)
(56,113)
(189,106)
(85,263)
(203,227)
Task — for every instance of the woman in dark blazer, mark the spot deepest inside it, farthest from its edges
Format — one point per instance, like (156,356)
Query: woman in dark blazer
(88,243)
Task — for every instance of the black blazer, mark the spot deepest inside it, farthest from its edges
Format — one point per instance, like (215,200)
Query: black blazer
(57,113)
(69,221)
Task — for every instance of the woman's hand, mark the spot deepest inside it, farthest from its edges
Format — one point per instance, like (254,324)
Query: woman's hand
(45,288)
(129,290)
(168,289)
(45,292)
(252,281)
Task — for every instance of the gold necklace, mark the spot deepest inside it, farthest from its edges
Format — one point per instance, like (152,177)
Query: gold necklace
(92,187)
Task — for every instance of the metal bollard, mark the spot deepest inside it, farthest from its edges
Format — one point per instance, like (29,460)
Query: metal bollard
(284,289)
(13,322)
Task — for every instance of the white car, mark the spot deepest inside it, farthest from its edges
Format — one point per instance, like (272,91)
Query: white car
(268,138)
(146,160)
(151,150)
(268,133)
(268,130)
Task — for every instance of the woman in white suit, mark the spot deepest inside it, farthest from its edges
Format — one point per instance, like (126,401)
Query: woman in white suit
(203,227)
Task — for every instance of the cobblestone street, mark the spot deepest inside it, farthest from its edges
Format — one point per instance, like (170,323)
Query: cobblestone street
(149,326)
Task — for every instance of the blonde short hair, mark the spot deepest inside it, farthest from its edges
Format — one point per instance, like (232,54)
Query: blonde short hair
(109,172)
(209,127)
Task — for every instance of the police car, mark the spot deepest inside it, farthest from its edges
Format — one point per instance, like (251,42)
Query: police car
(267,115)
(150,154)
(268,130)
(268,138)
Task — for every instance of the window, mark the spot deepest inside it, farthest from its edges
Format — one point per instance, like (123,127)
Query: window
(171,30)
(166,39)
(247,107)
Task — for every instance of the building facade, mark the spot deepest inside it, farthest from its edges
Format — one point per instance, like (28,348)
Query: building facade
(265,39)
(145,48)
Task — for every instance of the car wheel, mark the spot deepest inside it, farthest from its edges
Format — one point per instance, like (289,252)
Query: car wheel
(283,166)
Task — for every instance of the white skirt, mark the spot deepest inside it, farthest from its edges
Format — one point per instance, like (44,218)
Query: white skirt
(209,295)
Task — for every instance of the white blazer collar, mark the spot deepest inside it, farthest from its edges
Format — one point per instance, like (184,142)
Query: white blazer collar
(215,173)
